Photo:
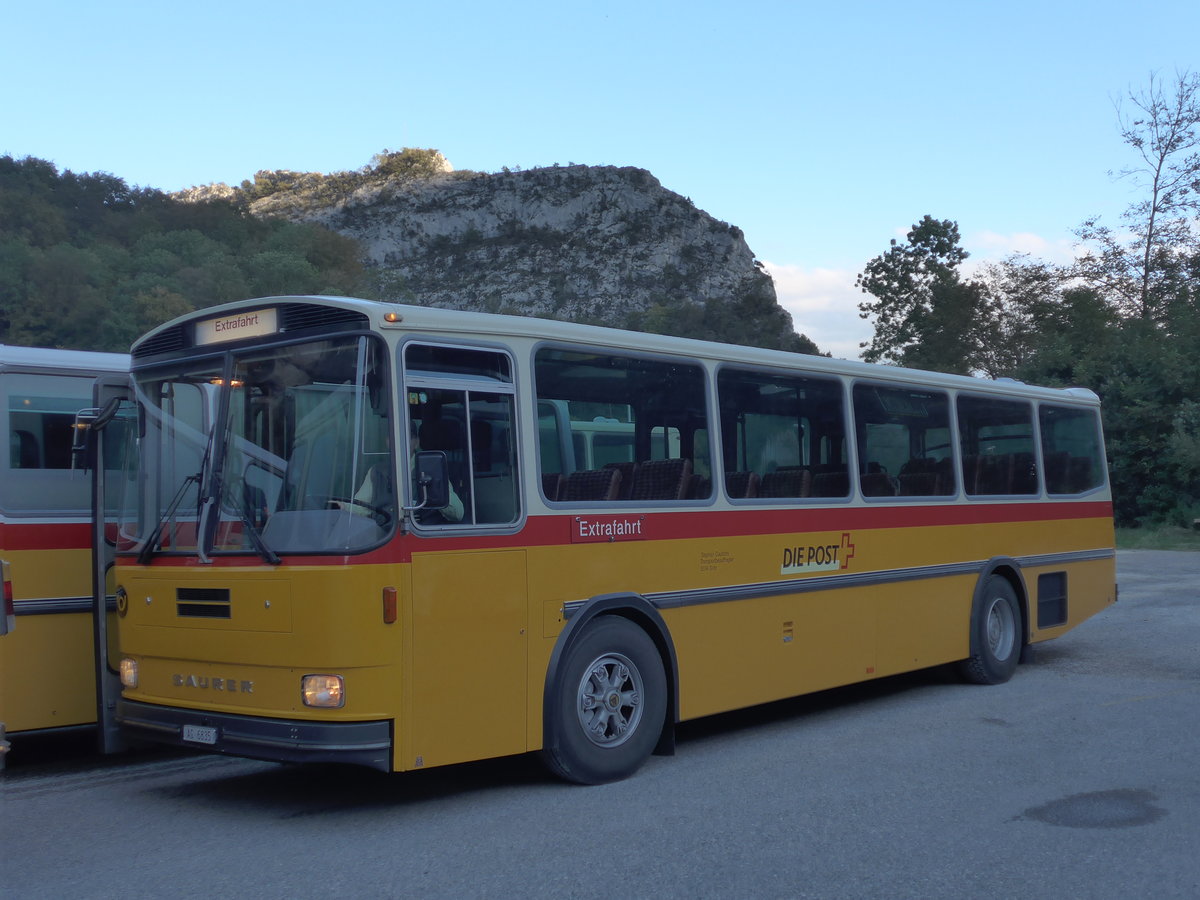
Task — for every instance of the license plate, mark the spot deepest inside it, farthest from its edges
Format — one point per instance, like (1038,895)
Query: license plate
(200,734)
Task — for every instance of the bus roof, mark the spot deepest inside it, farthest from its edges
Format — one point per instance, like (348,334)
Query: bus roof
(45,359)
(416,319)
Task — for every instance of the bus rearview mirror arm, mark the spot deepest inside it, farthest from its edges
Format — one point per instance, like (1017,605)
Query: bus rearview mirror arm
(431,476)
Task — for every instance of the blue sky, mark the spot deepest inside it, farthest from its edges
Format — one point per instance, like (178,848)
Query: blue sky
(822,130)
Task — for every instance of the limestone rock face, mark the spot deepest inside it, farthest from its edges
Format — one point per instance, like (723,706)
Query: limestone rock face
(597,244)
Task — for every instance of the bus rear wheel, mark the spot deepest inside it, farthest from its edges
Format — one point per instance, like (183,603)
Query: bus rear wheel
(609,708)
(995,634)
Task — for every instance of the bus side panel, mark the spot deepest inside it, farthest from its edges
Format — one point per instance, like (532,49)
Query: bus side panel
(909,609)
(470,617)
(47,664)
(47,675)
(1091,587)
(733,655)
(923,623)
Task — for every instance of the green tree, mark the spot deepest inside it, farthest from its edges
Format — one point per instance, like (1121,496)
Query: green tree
(1137,264)
(750,317)
(16,256)
(1183,455)
(1045,327)
(278,272)
(1143,382)
(924,313)
(64,298)
(1024,293)
(336,257)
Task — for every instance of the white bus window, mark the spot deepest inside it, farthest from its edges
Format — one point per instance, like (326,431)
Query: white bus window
(997,446)
(40,412)
(1071,449)
(638,429)
(903,442)
(783,435)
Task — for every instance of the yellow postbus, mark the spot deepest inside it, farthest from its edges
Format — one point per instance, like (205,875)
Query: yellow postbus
(48,663)
(407,537)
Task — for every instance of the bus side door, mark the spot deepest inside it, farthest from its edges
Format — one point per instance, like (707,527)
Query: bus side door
(106,437)
(468,683)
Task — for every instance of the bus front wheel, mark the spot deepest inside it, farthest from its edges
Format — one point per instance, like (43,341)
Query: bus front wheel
(609,708)
(995,634)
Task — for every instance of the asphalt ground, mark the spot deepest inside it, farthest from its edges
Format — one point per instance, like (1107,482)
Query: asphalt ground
(1078,778)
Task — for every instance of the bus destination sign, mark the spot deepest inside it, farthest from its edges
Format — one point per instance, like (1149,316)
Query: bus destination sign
(234,327)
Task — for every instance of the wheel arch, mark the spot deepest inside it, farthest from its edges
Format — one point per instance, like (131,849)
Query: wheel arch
(1010,570)
(638,610)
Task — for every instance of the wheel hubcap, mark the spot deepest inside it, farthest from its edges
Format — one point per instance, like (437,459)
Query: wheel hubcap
(610,700)
(1001,629)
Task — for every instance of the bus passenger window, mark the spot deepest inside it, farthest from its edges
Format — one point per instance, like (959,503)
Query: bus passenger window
(615,427)
(997,446)
(41,429)
(783,435)
(40,412)
(1071,450)
(904,447)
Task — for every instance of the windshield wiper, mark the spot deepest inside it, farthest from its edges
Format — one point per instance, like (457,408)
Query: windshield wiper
(268,555)
(154,542)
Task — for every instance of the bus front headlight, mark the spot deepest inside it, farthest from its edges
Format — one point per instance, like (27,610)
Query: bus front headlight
(325,691)
(129,673)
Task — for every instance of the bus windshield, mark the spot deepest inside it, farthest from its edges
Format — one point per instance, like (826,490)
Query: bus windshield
(280,449)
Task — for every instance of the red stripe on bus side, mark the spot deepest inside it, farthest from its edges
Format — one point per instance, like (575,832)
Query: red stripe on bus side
(47,536)
(799,520)
(554,530)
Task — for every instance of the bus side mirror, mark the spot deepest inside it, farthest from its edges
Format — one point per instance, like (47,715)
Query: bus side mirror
(431,480)
(81,435)
(87,422)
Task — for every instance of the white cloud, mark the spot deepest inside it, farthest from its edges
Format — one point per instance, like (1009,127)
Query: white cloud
(991,246)
(824,306)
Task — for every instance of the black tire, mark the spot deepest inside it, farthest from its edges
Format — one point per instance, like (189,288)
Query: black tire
(996,634)
(608,704)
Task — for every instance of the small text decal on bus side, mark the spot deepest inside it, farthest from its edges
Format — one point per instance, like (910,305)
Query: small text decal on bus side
(586,529)
(817,557)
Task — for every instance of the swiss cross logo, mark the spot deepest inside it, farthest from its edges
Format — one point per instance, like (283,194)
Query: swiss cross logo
(847,550)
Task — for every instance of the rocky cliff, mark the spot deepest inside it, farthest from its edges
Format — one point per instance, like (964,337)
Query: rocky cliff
(595,244)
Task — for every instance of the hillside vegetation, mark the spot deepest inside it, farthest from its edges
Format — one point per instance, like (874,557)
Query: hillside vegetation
(88,262)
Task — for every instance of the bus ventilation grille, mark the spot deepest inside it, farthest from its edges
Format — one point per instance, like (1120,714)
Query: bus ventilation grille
(163,342)
(203,603)
(301,316)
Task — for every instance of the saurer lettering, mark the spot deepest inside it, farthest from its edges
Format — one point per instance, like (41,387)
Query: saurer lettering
(203,682)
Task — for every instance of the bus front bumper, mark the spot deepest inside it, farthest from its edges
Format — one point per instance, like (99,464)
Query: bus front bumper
(279,740)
